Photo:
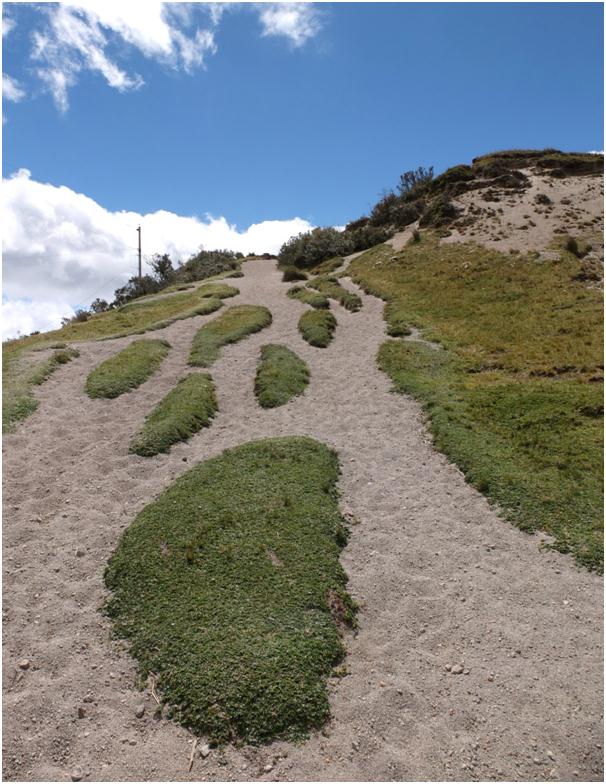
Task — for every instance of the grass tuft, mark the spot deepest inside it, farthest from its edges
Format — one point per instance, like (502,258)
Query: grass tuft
(229,589)
(292,273)
(127,369)
(281,375)
(186,409)
(317,327)
(333,289)
(234,324)
(309,297)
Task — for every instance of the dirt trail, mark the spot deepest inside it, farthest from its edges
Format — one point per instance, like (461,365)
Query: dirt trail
(440,578)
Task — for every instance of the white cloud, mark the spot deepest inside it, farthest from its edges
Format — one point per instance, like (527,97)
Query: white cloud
(63,247)
(295,21)
(11,89)
(79,35)
(8,23)
(596,152)
(20,317)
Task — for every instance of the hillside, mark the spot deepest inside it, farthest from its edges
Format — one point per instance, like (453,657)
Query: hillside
(336,518)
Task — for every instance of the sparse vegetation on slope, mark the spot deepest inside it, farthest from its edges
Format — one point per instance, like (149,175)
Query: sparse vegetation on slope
(290,274)
(234,324)
(515,397)
(333,289)
(126,370)
(186,409)
(317,327)
(230,591)
(21,372)
(313,298)
(281,375)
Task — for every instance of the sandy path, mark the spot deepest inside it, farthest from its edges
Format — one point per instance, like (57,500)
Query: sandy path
(441,579)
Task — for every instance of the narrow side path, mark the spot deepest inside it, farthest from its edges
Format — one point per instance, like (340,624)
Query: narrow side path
(442,582)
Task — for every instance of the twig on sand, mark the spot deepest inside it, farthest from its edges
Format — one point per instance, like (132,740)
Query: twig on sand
(152,687)
(191,756)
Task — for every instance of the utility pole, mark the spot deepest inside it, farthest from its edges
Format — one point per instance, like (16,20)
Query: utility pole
(139,233)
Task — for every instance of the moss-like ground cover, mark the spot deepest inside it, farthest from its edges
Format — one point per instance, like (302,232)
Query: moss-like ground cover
(232,325)
(317,327)
(127,369)
(21,372)
(281,375)
(333,289)
(515,397)
(309,297)
(186,409)
(230,590)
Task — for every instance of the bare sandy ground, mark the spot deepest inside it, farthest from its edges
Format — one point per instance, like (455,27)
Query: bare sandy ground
(517,221)
(441,579)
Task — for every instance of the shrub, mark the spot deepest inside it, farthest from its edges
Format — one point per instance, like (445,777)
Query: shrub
(292,273)
(206,264)
(234,324)
(542,198)
(281,375)
(310,248)
(317,327)
(439,212)
(186,409)
(126,370)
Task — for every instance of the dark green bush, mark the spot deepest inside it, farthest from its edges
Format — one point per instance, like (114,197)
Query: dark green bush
(290,274)
(438,212)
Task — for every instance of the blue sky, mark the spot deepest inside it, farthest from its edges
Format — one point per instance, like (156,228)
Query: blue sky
(307,114)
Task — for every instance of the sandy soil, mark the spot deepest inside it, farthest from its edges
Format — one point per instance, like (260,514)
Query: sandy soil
(517,221)
(441,579)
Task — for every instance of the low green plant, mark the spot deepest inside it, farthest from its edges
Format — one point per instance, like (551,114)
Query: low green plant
(317,327)
(328,266)
(21,372)
(333,289)
(218,290)
(515,395)
(313,298)
(229,590)
(232,325)
(281,375)
(126,370)
(206,306)
(186,409)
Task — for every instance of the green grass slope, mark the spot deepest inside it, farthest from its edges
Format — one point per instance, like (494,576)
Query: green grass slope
(317,327)
(230,591)
(515,396)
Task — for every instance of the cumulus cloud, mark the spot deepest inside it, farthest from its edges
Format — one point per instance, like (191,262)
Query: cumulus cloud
(295,21)
(21,317)
(11,89)
(60,246)
(8,23)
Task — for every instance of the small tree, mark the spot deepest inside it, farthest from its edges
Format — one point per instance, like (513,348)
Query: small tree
(414,180)
(99,305)
(163,268)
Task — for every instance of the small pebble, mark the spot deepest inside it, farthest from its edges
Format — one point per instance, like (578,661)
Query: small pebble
(139,711)
(80,552)
(457,669)
(24,664)
(204,750)
(81,712)
(268,768)
(76,774)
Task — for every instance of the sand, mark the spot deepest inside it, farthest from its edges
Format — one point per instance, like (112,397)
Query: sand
(441,579)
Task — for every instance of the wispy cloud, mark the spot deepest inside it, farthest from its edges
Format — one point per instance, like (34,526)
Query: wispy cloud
(96,35)
(11,89)
(297,22)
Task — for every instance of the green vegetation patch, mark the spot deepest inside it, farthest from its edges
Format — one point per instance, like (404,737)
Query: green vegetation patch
(186,409)
(21,372)
(230,591)
(328,266)
(292,273)
(234,324)
(333,289)
(313,298)
(515,397)
(317,327)
(281,375)
(218,290)
(127,369)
